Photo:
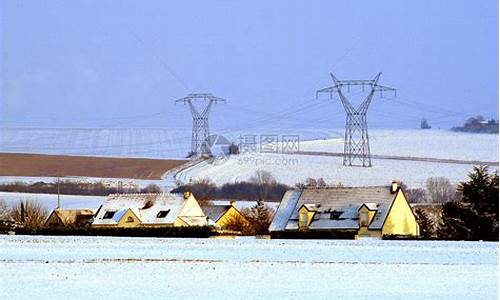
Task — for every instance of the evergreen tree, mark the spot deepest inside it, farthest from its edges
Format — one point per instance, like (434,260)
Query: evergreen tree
(426,224)
(475,217)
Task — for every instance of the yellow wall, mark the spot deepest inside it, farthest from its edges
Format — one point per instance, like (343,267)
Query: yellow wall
(364,232)
(400,220)
(123,221)
(191,208)
(231,214)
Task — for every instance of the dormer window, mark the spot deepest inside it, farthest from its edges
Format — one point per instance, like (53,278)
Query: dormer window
(109,214)
(162,214)
(335,215)
(303,219)
(363,218)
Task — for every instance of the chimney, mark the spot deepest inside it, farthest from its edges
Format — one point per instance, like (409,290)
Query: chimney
(395,186)
(187,195)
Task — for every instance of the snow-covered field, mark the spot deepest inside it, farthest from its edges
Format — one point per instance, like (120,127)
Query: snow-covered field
(420,143)
(291,169)
(37,267)
(49,201)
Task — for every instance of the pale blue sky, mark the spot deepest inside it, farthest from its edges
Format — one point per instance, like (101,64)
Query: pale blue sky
(122,63)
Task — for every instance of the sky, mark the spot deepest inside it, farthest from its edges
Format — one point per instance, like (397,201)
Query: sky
(123,63)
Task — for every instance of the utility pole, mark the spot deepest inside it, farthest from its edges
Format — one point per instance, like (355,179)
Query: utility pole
(356,141)
(58,194)
(200,131)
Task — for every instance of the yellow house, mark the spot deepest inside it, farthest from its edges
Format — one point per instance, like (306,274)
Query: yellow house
(221,215)
(150,210)
(345,212)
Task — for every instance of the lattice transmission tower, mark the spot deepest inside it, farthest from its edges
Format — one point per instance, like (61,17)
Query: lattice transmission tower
(356,141)
(201,129)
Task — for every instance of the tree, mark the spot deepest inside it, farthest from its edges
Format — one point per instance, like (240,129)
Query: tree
(29,213)
(260,217)
(151,189)
(440,189)
(239,223)
(264,180)
(426,224)
(475,217)
(4,210)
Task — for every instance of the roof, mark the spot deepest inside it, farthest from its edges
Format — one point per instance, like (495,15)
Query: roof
(336,207)
(242,204)
(285,210)
(215,212)
(72,216)
(145,206)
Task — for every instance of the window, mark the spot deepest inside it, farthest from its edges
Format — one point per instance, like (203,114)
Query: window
(303,219)
(109,214)
(162,213)
(130,219)
(363,218)
(335,215)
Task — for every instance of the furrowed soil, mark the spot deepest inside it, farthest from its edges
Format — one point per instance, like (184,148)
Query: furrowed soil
(40,165)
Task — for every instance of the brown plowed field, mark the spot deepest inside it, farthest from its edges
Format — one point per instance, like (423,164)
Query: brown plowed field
(39,165)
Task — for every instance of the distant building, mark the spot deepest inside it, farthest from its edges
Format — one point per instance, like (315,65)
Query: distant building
(221,214)
(424,124)
(70,217)
(344,212)
(150,210)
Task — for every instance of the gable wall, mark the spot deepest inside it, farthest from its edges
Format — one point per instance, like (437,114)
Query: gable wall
(123,220)
(191,208)
(400,219)
(230,215)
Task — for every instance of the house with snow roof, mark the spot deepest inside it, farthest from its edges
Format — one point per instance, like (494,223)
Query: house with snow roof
(345,212)
(150,210)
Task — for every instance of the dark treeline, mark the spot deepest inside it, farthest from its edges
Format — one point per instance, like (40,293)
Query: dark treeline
(261,186)
(74,188)
(478,125)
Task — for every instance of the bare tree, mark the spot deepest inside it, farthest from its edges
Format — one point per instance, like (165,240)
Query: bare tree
(418,195)
(4,210)
(440,189)
(29,213)
(264,180)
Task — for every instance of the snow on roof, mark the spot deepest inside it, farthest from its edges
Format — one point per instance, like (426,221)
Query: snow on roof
(337,207)
(147,208)
(285,210)
(242,204)
(370,205)
(72,216)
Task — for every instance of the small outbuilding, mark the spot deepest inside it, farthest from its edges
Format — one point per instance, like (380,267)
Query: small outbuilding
(69,217)
(345,212)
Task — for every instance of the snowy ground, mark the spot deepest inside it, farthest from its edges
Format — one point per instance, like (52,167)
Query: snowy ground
(291,169)
(421,143)
(35,267)
(49,201)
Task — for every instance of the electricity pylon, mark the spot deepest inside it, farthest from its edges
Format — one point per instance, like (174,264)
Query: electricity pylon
(200,121)
(356,141)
